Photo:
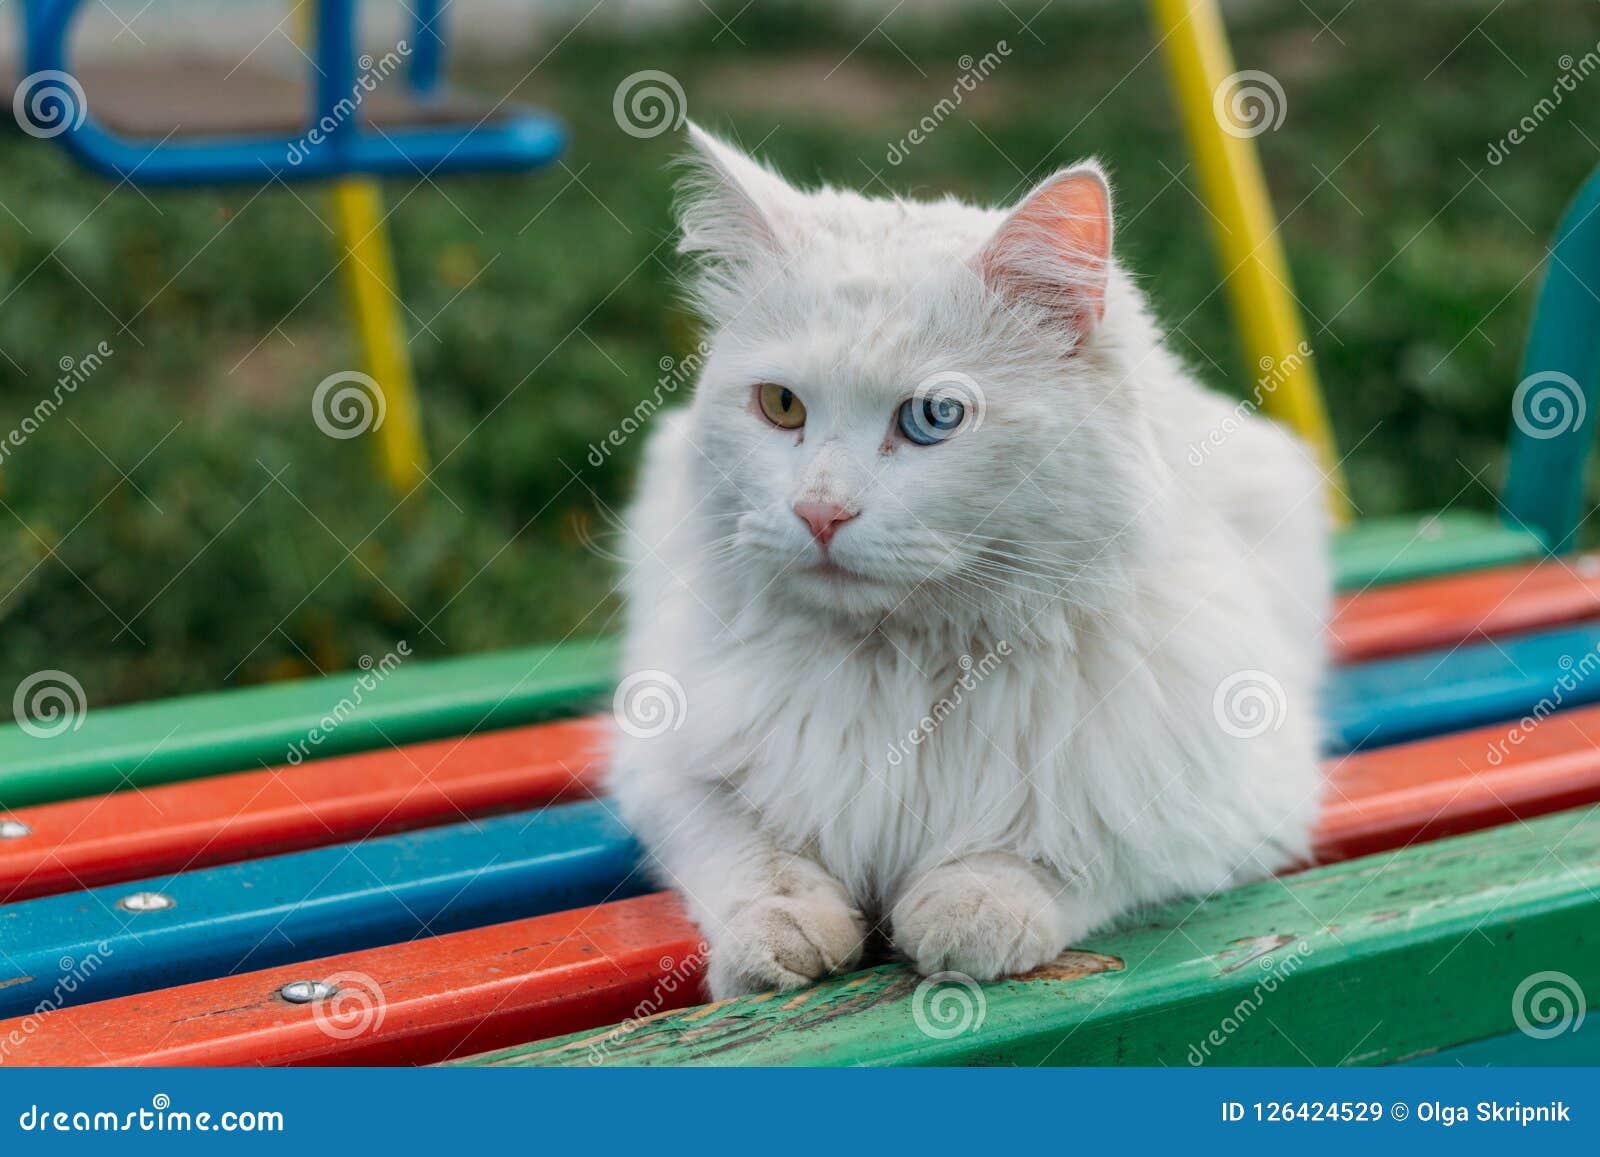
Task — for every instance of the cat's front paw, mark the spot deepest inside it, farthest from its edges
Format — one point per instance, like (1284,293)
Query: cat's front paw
(986,917)
(786,941)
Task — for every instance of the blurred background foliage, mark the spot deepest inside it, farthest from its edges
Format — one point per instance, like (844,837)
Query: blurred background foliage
(182,525)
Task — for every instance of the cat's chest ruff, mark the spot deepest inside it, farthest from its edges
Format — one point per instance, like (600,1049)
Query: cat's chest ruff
(882,759)
(872,712)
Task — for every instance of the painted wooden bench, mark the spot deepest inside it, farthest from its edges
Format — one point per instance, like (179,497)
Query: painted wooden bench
(492,927)
(1374,960)
(436,876)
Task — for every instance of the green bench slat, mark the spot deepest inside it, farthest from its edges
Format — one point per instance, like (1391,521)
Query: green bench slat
(1364,962)
(1391,550)
(173,739)
(150,743)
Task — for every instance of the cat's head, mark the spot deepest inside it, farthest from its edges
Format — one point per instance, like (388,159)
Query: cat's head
(916,410)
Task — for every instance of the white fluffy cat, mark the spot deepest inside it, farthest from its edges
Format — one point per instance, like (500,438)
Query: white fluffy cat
(970,649)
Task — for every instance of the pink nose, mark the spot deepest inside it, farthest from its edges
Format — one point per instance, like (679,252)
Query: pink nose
(824,518)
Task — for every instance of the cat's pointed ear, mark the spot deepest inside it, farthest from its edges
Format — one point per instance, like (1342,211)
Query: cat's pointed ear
(731,207)
(1053,251)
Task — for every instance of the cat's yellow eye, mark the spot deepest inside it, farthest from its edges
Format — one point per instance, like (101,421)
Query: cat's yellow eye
(781,406)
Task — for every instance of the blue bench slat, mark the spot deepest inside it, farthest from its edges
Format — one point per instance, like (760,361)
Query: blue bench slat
(1393,700)
(297,907)
(343,898)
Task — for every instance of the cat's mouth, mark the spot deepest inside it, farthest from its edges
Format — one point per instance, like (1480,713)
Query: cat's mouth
(832,571)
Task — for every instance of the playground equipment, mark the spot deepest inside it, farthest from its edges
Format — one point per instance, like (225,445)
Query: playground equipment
(1458,852)
(1256,272)
(348,122)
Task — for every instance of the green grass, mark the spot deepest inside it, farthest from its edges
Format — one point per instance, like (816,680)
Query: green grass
(181,524)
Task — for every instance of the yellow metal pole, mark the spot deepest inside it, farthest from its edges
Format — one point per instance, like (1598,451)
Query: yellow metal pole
(1231,184)
(374,298)
(370,286)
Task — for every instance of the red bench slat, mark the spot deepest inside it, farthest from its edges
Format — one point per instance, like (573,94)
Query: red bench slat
(427,1000)
(1451,784)
(1444,611)
(481,989)
(104,839)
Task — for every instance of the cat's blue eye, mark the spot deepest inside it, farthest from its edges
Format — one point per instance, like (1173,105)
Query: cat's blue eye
(930,419)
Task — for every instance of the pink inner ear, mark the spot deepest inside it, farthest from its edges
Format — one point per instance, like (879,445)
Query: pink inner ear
(1056,247)
(1076,208)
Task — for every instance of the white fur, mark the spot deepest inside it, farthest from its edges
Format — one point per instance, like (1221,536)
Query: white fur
(1059,579)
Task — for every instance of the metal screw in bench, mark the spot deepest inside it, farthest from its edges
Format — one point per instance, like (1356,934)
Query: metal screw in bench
(307,991)
(146,902)
(14,830)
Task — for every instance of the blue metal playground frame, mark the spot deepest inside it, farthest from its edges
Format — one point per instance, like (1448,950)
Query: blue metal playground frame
(522,139)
